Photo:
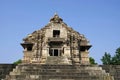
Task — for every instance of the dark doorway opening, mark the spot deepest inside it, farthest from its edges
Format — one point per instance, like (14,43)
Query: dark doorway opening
(55,52)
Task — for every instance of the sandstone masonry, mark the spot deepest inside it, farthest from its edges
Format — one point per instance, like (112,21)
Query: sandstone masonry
(56,52)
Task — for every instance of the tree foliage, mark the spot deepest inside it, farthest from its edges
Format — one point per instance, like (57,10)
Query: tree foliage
(108,60)
(18,62)
(116,57)
(92,61)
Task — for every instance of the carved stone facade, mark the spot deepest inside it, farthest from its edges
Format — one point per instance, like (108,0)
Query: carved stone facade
(56,41)
(56,52)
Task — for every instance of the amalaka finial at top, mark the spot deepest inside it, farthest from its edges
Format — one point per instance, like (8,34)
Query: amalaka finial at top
(55,13)
(56,19)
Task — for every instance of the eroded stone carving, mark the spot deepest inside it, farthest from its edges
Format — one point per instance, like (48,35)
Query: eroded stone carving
(56,39)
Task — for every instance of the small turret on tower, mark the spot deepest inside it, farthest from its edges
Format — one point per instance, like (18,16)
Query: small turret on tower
(56,19)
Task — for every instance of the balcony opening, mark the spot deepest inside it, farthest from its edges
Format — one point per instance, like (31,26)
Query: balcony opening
(56,33)
(29,48)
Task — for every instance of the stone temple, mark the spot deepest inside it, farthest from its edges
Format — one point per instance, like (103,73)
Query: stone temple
(56,43)
(56,52)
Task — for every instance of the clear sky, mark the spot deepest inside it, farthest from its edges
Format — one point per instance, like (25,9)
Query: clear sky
(98,20)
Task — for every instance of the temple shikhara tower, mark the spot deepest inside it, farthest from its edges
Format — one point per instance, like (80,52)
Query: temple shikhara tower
(56,52)
(56,42)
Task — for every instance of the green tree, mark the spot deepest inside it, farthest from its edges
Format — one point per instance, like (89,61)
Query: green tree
(106,59)
(18,62)
(116,57)
(92,61)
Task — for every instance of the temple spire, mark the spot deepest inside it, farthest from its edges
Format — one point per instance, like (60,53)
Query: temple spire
(55,13)
(56,19)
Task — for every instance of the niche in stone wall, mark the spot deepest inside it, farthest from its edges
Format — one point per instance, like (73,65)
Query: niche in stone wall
(56,33)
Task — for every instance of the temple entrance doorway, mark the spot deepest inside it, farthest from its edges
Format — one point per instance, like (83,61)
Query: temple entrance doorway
(55,52)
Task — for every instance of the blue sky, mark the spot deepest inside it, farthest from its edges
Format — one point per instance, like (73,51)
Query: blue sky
(98,20)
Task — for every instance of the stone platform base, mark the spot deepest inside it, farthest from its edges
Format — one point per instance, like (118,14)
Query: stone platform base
(5,69)
(57,72)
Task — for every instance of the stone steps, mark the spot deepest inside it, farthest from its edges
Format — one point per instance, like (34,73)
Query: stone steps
(57,60)
(114,70)
(5,69)
(48,77)
(57,72)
